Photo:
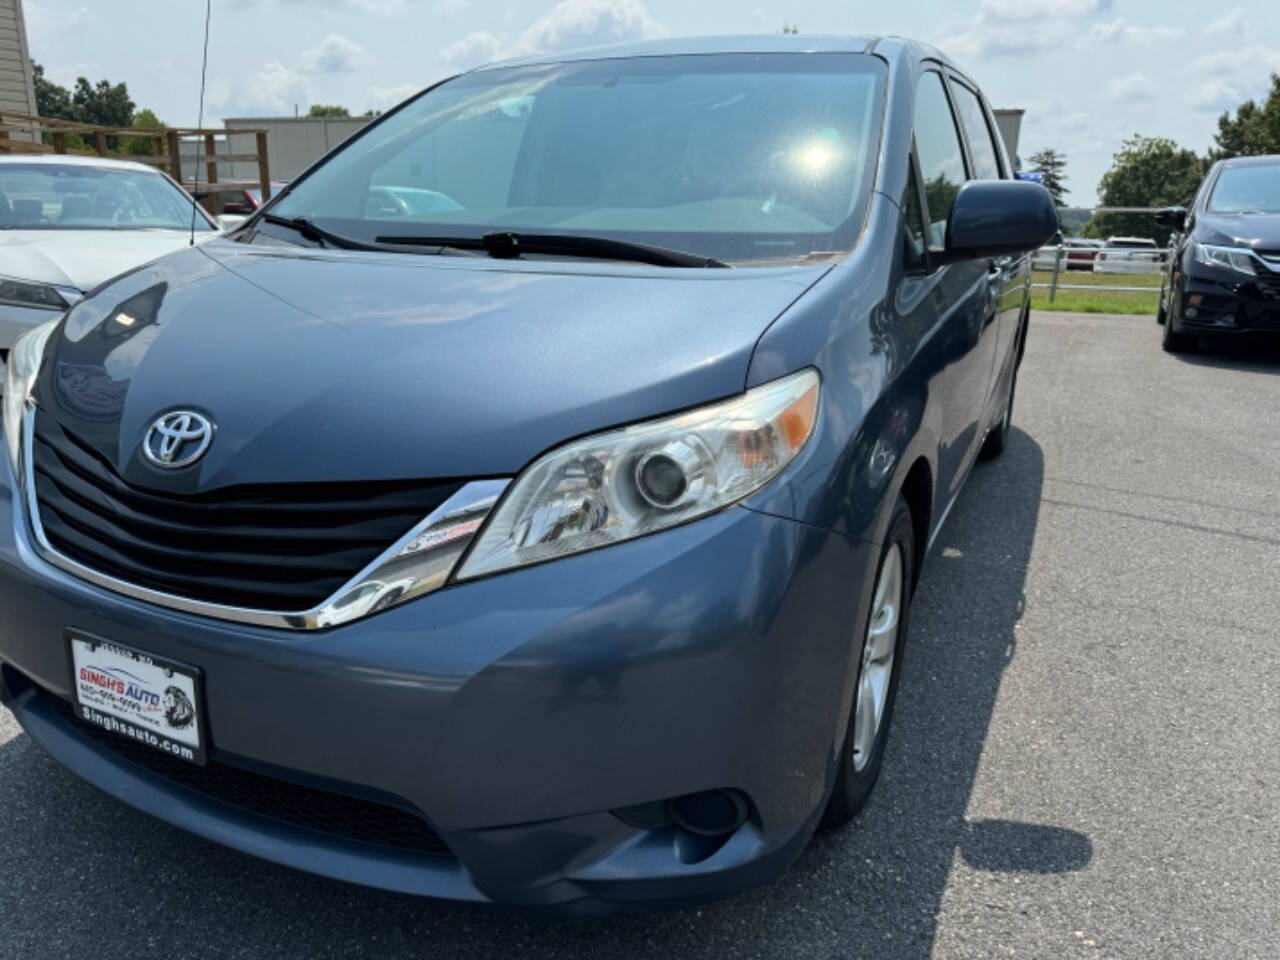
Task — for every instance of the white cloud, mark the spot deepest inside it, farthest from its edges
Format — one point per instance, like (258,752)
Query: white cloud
(273,90)
(983,40)
(1230,23)
(588,23)
(383,7)
(1135,86)
(383,97)
(1215,94)
(472,50)
(1121,31)
(334,54)
(1011,28)
(1074,121)
(1225,79)
(448,9)
(43,24)
(570,24)
(1042,9)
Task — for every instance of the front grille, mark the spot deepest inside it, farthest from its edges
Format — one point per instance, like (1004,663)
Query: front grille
(285,547)
(336,814)
(1269,282)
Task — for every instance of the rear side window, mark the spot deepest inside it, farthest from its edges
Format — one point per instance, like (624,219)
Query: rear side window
(940,154)
(982,147)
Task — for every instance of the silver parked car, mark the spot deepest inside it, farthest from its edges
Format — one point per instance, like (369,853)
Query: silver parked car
(1129,255)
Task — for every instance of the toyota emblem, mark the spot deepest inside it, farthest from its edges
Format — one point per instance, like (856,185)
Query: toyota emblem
(178,439)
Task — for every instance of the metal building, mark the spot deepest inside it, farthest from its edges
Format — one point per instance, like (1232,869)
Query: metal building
(293,143)
(1010,124)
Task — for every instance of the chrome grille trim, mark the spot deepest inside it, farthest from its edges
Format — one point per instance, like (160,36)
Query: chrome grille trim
(416,564)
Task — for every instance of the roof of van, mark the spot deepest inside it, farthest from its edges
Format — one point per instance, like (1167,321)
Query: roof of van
(750,43)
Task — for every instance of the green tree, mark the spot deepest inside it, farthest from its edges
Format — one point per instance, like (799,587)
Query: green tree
(1147,172)
(940,194)
(52,100)
(328,110)
(1252,129)
(104,103)
(142,145)
(1073,220)
(1051,165)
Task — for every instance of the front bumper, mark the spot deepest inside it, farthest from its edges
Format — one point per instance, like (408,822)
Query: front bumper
(1218,302)
(513,714)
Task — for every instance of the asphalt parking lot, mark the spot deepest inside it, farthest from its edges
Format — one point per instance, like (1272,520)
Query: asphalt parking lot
(1083,760)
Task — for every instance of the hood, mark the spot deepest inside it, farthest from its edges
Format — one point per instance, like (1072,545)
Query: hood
(84,258)
(1261,231)
(340,366)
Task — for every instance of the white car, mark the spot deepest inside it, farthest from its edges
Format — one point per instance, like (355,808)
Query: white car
(1129,255)
(69,223)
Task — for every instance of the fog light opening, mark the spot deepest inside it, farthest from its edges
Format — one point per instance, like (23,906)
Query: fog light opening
(710,813)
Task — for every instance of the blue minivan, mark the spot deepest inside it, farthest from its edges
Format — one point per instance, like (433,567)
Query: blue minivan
(525,505)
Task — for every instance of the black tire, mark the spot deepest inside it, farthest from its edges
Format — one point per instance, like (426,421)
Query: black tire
(998,438)
(853,786)
(1174,342)
(1161,313)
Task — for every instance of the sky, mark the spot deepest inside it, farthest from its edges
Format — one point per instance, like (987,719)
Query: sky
(1088,72)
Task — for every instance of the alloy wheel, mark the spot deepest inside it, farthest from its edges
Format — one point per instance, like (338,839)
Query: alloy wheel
(878,651)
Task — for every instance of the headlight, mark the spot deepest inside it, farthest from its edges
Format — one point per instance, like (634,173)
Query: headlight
(1230,258)
(637,480)
(24,364)
(46,296)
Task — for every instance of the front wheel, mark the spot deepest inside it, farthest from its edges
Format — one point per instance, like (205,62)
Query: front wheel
(1171,340)
(998,438)
(879,656)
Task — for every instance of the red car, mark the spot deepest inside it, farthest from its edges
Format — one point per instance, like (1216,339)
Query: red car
(1081,253)
(235,200)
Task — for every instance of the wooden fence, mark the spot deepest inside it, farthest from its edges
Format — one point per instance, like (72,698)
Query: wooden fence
(167,147)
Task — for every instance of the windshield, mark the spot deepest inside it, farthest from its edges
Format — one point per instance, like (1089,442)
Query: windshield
(738,158)
(64,196)
(1248,189)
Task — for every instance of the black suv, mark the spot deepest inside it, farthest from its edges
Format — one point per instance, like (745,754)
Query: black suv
(1224,272)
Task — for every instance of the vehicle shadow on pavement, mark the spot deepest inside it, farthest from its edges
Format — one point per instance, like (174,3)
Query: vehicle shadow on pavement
(86,875)
(1256,353)
(895,864)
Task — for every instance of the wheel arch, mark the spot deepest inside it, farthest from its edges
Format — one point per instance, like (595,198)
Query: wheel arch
(917,491)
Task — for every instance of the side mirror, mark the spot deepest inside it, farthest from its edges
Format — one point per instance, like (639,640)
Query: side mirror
(998,218)
(229,221)
(1175,218)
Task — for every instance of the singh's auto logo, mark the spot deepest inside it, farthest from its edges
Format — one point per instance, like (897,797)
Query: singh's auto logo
(179,711)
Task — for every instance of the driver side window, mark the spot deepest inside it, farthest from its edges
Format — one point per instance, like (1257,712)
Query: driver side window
(941,155)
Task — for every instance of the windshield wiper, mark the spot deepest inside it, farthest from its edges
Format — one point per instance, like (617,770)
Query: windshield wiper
(509,246)
(317,234)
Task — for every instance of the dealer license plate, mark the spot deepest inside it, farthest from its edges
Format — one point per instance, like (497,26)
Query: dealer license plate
(148,699)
